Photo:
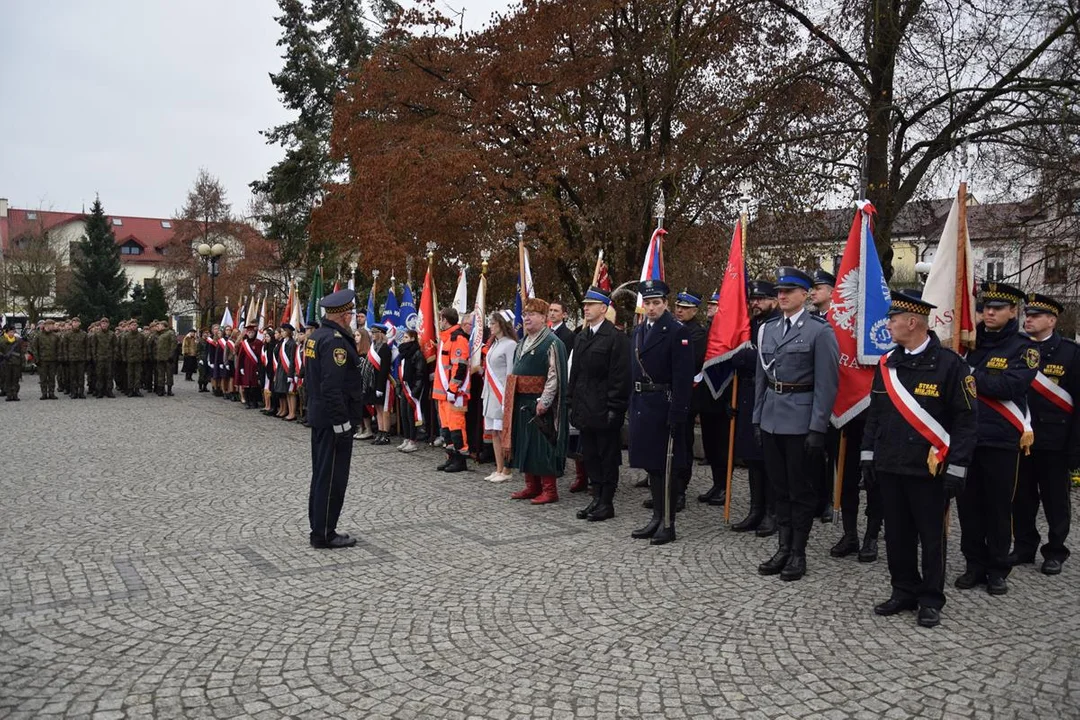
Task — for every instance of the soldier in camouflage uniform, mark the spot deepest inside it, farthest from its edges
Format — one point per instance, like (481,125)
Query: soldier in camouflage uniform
(46,350)
(134,356)
(150,340)
(62,329)
(77,351)
(104,352)
(164,350)
(11,363)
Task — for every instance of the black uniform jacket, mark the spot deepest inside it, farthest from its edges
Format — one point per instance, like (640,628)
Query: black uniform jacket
(334,385)
(1004,364)
(940,382)
(1055,429)
(659,357)
(599,378)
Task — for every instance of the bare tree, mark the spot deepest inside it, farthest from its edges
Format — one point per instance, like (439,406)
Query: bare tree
(29,272)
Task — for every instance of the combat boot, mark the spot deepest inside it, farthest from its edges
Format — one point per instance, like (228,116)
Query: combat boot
(757,506)
(869,550)
(648,530)
(584,512)
(849,541)
(605,509)
(457,461)
(796,564)
(775,564)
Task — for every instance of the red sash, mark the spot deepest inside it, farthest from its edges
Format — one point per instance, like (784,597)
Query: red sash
(917,416)
(1016,417)
(1053,392)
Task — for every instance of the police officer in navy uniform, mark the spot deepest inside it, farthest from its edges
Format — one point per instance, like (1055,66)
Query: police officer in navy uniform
(1004,364)
(820,303)
(662,375)
(762,515)
(686,308)
(1044,475)
(795,388)
(896,454)
(335,409)
(714,414)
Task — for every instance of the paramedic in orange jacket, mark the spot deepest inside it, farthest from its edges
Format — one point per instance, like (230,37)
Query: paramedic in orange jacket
(452,389)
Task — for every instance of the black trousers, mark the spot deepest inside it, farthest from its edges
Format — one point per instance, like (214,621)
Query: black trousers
(792,479)
(985,509)
(714,438)
(915,510)
(408,420)
(1044,475)
(601,451)
(849,488)
(684,474)
(331,456)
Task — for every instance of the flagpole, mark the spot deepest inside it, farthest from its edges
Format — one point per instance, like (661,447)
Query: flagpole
(744,216)
(838,481)
(519,226)
(961,268)
(596,270)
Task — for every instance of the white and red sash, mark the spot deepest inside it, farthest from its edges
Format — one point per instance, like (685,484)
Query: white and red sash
(373,358)
(1053,392)
(285,365)
(917,416)
(456,399)
(414,404)
(498,388)
(298,362)
(250,352)
(1016,417)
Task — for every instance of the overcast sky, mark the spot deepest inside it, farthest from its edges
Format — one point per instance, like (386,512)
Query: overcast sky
(129,98)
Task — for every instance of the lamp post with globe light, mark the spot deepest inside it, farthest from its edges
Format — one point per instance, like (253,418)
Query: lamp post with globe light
(212,255)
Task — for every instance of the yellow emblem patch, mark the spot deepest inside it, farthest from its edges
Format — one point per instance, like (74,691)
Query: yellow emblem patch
(969,385)
(1056,370)
(997,363)
(927,390)
(309,349)
(340,356)
(1031,357)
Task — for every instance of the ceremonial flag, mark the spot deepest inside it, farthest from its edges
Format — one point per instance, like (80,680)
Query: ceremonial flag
(226,318)
(425,318)
(476,338)
(525,288)
(653,267)
(730,328)
(337,285)
(253,309)
(951,282)
(391,318)
(297,318)
(407,310)
(371,307)
(461,300)
(287,312)
(352,315)
(603,280)
(313,315)
(240,310)
(858,317)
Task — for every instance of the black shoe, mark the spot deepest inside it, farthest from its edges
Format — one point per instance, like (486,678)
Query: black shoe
(826,515)
(894,606)
(648,531)
(647,503)
(584,512)
(970,579)
(456,464)
(663,536)
(848,545)
(680,504)
(997,586)
(775,564)
(384,440)
(338,541)
(1050,566)
(751,522)
(710,493)
(719,499)
(169,393)
(1016,558)
(929,617)
(868,551)
(603,511)
(442,466)
(767,527)
(643,482)
(795,568)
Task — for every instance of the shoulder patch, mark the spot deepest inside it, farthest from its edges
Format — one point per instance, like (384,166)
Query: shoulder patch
(337,334)
(1031,357)
(340,356)
(969,385)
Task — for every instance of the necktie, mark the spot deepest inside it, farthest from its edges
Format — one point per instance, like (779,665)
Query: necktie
(787,326)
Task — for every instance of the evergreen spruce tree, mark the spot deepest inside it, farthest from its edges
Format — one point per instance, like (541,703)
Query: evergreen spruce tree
(155,307)
(98,283)
(133,308)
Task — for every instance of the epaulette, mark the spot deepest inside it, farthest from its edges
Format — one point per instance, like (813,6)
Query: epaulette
(819,318)
(1069,340)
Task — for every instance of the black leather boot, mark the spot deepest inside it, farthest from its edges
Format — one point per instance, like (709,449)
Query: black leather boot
(757,506)
(776,563)
(584,512)
(796,564)
(657,489)
(456,464)
(849,541)
(869,549)
(605,508)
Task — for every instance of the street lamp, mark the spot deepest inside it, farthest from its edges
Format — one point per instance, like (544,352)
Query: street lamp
(212,256)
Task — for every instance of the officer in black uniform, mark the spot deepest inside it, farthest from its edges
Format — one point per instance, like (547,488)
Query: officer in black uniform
(762,515)
(335,408)
(1004,364)
(917,478)
(686,310)
(715,416)
(821,302)
(662,375)
(1045,473)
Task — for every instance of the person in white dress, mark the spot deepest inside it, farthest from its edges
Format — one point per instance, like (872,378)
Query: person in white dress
(497,365)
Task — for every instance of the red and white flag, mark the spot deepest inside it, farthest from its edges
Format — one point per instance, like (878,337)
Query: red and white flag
(940,288)
(730,328)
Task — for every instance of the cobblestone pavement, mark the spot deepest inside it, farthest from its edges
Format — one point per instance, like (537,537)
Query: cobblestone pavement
(155,564)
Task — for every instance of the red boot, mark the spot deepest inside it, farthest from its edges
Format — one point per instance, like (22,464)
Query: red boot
(531,489)
(551,491)
(581,478)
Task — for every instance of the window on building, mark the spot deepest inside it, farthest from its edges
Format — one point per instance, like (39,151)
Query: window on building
(185,291)
(995,265)
(1057,265)
(151,282)
(167,224)
(131,248)
(31,216)
(117,221)
(836,259)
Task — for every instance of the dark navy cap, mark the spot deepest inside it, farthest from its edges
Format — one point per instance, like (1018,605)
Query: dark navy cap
(341,301)
(287,326)
(1036,303)
(653,289)
(995,294)
(789,278)
(715,299)
(762,289)
(377,327)
(904,302)
(824,278)
(688,298)
(596,295)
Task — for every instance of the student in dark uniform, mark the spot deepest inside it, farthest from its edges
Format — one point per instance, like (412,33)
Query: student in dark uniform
(662,375)
(335,392)
(917,447)
(686,311)
(762,515)
(821,302)
(795,388)
(1004,364)
(714,414)
(1044,475)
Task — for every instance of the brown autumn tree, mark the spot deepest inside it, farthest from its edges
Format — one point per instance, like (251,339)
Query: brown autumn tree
(573,117)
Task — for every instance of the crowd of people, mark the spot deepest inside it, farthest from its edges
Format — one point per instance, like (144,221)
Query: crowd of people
(996,429)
